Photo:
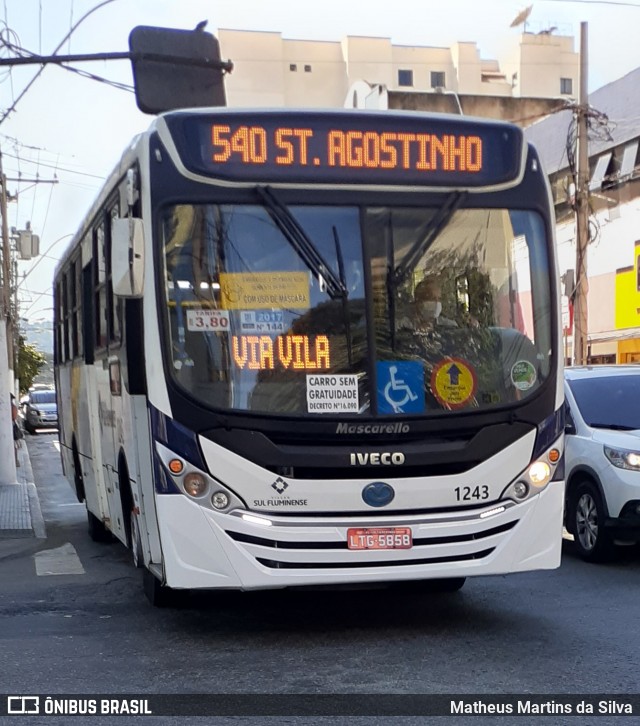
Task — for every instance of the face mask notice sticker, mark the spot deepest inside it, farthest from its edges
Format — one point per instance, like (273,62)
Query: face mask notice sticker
(264,290)
(523,375)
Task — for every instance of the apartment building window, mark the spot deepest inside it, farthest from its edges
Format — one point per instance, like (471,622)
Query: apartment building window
(566,86)
(307,69)
(293,67)
(437,79)
(405,78)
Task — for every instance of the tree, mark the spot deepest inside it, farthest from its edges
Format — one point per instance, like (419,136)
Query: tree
(30,361)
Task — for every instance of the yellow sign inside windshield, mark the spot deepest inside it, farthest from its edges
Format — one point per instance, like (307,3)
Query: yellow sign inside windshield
(259,290)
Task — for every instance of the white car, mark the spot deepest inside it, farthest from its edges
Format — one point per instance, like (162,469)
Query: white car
(602,458)
(41,410)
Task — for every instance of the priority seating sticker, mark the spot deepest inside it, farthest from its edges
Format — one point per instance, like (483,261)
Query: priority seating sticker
(453,383)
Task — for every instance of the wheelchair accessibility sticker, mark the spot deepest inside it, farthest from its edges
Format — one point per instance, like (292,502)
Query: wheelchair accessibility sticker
(400,386)
(453,383)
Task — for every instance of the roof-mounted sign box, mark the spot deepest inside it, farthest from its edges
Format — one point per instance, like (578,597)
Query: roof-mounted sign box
(175,69)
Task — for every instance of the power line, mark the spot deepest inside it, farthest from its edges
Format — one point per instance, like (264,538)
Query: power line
(53,166)
(596,2)
(12,108)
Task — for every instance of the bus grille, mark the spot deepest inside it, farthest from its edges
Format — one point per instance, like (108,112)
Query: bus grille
(342,545)
(309,552)
(278,565)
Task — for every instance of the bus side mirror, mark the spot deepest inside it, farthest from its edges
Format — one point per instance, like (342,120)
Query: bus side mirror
(127,257)
(569,423)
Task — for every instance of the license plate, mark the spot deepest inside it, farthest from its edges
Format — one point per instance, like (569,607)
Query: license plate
(379,538)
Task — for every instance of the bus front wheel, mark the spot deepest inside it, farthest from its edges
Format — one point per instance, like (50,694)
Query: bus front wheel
(159,595)
(447,584)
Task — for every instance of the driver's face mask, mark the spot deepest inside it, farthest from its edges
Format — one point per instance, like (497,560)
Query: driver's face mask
(430,308)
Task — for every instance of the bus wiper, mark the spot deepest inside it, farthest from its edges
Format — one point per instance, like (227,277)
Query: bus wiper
(345,304)
(391,288)
(613,426)
(299,240)
(437,223)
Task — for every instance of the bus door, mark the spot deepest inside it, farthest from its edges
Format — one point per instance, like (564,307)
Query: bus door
(107,373)
(83,392)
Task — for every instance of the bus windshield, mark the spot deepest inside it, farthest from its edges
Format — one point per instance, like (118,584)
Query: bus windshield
(356,310)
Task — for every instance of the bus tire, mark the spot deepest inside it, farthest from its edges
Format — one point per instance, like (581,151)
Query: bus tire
(586,516)
(78,478)
(447,584)
(136,542)
(159,595)
(97,531)
(130,513)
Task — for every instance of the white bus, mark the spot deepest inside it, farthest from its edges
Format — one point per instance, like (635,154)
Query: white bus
(314,349)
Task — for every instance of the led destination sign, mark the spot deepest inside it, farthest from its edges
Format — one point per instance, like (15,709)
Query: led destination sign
(295,352)
(349,148)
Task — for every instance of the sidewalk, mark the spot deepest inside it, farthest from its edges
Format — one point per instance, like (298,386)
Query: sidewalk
(20,514)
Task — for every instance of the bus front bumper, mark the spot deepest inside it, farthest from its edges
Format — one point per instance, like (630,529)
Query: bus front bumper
(203,549)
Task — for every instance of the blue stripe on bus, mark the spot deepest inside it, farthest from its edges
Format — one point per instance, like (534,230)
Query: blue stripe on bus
(180,440)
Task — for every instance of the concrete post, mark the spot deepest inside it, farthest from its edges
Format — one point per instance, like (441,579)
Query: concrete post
(7,452)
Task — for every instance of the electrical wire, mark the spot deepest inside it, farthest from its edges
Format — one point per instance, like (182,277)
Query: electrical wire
(100,79)
(35,194)
(46,214)
(51,166)
(54,166)
(12,108)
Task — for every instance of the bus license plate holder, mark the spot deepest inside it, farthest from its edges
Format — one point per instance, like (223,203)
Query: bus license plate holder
(379,538)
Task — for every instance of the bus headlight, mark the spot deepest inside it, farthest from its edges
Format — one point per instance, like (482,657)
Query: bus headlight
(200,486)
(539,473)
(546,467)
(194,484)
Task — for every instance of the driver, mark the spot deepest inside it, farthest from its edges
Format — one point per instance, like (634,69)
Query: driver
(427,305)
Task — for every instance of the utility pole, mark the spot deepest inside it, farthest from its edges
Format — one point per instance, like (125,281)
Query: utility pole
(581,319)
(7,452)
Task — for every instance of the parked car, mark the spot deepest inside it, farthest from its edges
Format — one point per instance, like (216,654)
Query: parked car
(602,458)
(41,410)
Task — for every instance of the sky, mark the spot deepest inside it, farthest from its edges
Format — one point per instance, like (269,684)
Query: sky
(73,130)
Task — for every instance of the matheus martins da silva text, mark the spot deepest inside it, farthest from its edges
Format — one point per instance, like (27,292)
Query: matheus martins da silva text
(602,707)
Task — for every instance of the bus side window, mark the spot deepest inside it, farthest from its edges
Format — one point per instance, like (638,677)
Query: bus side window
(88,316)
(114,304)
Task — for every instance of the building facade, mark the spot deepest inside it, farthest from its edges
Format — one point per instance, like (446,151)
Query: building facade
(270,70)
(613,267)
